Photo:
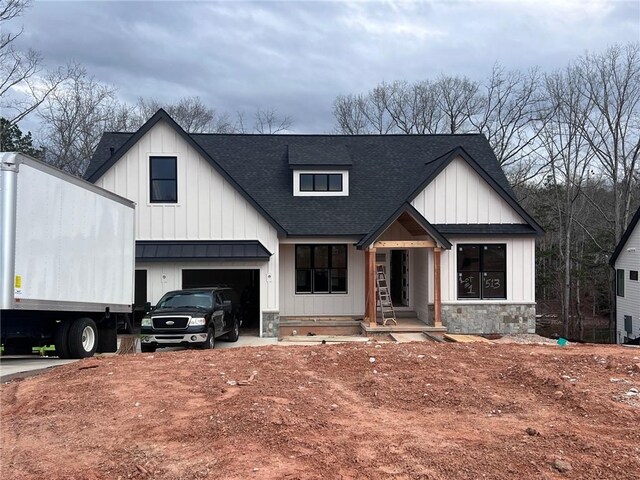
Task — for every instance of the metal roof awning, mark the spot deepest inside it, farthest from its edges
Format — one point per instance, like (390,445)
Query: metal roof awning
(487,229)
(204,250)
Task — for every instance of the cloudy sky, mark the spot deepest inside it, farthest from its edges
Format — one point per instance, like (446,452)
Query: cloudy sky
(297,56)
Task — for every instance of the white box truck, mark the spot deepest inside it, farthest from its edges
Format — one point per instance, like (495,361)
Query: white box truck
(66,260)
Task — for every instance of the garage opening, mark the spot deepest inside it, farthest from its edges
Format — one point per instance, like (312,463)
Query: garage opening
(245,284)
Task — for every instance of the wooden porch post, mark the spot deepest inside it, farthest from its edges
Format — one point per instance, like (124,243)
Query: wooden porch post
(367,254)
(370,286)
(437,322)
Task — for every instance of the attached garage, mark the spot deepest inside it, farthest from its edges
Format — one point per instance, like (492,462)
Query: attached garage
(245,284)
(238,265)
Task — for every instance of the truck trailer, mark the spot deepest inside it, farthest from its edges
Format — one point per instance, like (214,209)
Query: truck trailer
(67,253)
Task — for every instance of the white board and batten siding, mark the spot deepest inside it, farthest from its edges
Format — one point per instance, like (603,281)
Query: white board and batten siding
(208,208)
(459,195)
(629,259)
(339,304)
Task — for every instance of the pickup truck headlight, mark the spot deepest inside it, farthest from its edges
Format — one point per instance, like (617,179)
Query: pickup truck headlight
(146,322)
(197,321)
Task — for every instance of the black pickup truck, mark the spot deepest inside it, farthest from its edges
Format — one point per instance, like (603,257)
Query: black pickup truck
(191,318)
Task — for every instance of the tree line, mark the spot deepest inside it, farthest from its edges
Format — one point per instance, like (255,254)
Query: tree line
(569,141)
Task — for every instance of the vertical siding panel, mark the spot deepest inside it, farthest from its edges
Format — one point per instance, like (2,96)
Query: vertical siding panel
(472,198)
(239,216)
(449,193)
(215,201)
(462,192)
(440,191)
(169,222)
(203,203)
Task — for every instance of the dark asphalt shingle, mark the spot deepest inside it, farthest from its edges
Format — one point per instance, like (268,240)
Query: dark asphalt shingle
(384,171)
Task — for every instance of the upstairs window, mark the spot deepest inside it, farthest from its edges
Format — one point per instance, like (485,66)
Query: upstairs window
(620,283)
(482,271)
(321,183)
(321,269)
(633,275)
(163,173)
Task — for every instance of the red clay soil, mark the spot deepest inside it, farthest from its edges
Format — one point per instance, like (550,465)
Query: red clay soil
(420,410)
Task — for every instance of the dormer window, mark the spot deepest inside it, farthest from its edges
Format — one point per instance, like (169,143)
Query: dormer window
(320,183)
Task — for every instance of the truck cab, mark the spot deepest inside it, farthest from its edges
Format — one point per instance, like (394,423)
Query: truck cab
(192,318)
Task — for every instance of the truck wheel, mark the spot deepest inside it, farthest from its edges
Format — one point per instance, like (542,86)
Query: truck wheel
(210,342)
(83,338)
(234,334)
(146,348)
(61,340)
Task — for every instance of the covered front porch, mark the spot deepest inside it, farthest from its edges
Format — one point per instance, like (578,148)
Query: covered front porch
(402,269)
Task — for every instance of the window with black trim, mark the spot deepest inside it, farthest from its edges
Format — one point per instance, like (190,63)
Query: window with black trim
(321,269)
(320,182)
(482,271)
(163,174)
(633,275)
(620,283)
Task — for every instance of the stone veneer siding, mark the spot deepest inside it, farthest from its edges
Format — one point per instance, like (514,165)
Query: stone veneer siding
(484,318)
(270,324)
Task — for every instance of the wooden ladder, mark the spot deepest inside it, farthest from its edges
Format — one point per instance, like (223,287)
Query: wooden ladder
(384,298)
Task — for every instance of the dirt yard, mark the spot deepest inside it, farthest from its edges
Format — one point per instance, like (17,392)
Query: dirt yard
(416,410)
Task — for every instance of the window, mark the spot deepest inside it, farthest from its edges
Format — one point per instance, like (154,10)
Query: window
(628,324)
(321,269)
(633,275)
(620,283)
(164,183)
(482,271)
(320,182)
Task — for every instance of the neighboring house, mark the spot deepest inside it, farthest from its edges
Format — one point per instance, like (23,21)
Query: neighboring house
(626,261)
(297,224)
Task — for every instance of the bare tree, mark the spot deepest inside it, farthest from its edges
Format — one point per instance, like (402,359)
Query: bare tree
(611,81)
(514,112)
(268,121)
(348,110)
(189,112)
(24,84)
(75,116)
(458,100)
(570,159)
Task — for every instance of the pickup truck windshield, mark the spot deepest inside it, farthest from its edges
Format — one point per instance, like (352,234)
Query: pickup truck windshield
(189,300)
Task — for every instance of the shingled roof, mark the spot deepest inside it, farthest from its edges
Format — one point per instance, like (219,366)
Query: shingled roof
(385,171)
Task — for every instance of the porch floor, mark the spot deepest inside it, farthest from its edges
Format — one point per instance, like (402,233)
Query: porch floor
(405,325)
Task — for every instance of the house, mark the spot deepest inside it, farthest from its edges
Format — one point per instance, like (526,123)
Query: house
(626,261)
(298,223)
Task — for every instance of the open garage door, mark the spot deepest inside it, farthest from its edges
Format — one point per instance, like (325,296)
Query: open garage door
(245,284)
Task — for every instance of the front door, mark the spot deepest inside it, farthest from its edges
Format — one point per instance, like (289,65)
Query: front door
(399,281)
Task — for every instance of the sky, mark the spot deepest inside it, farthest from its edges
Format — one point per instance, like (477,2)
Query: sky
(297,56)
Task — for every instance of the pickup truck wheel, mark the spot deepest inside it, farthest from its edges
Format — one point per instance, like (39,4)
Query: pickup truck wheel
(83,338)
(61,340)
(210,342)
(145,348)
(234,334)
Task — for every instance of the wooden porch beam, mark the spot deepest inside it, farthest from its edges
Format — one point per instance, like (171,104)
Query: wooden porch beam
(404,244)
(437,321)
(370,286)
